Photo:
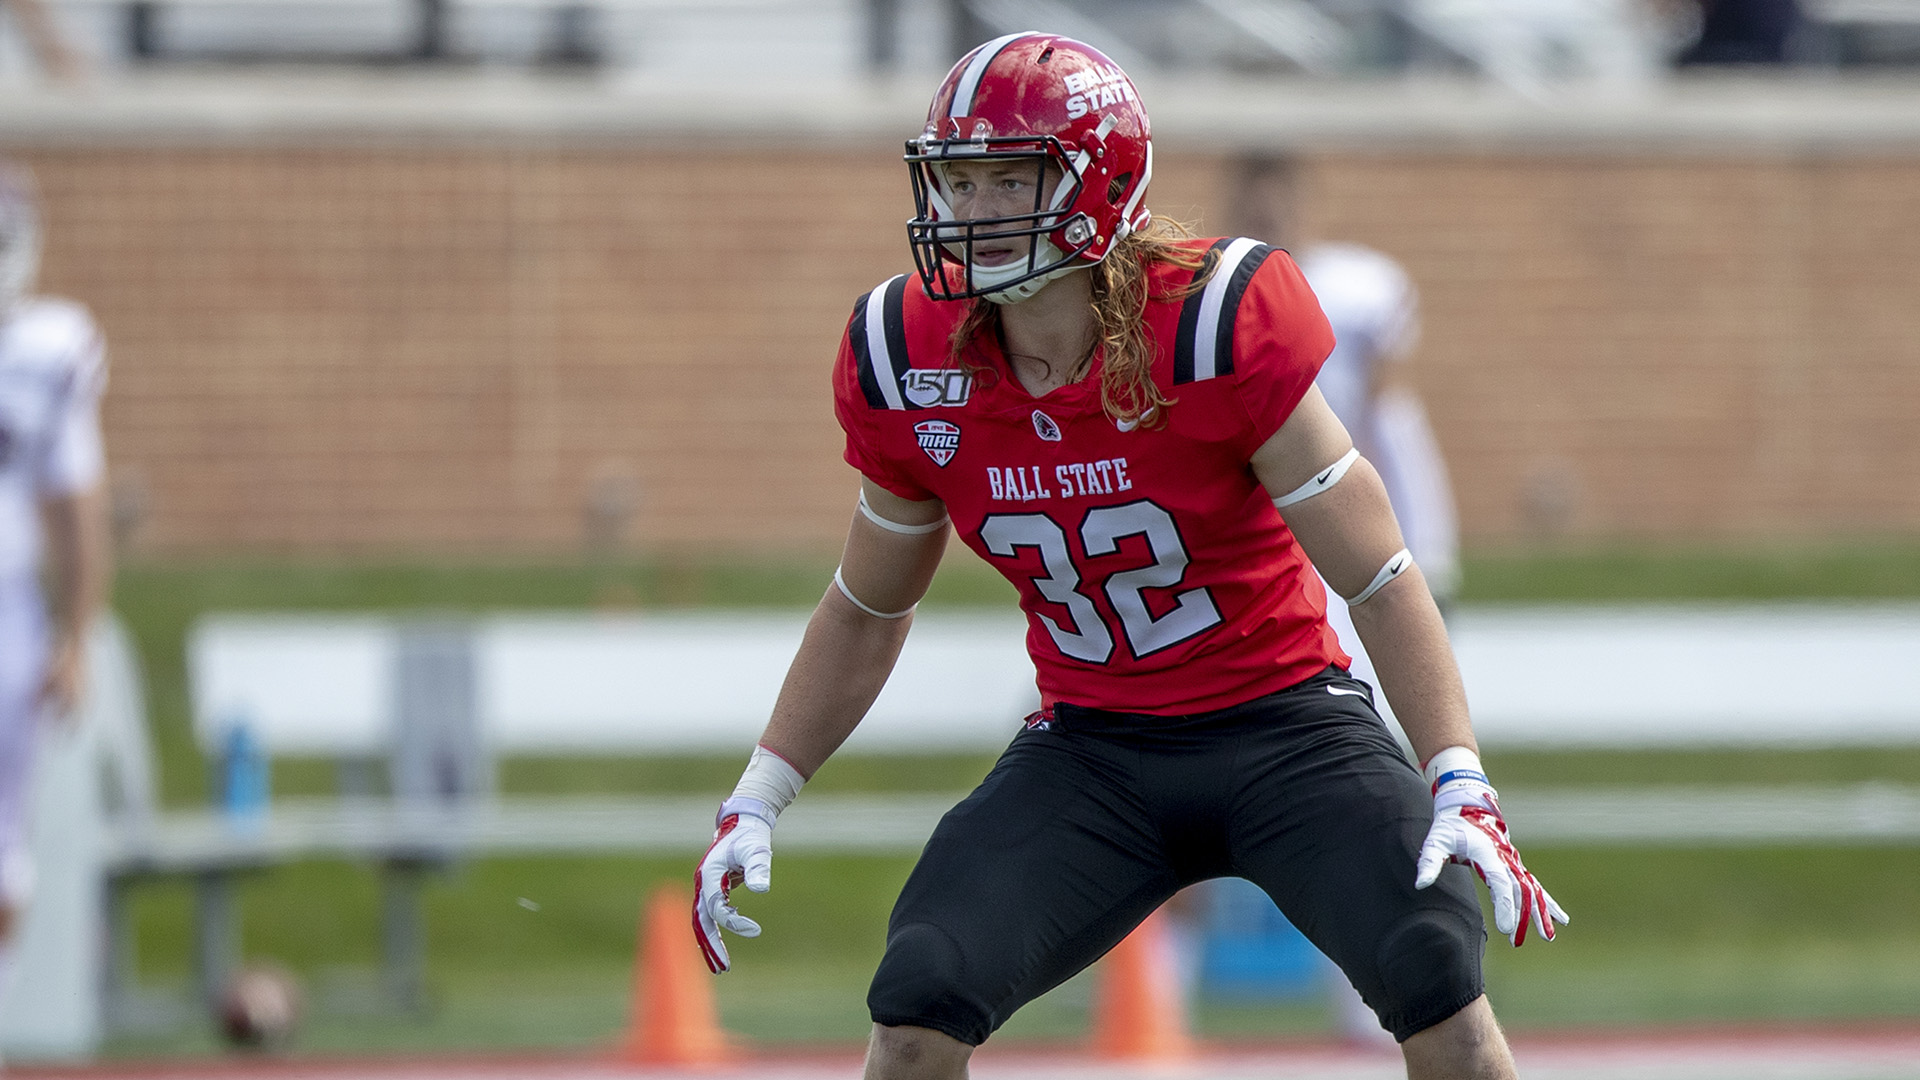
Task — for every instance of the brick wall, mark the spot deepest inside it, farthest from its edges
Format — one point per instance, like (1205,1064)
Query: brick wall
(434,349)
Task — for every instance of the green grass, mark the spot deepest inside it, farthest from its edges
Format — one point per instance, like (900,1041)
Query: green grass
(1665,936)
(1661,937)
(1878,569)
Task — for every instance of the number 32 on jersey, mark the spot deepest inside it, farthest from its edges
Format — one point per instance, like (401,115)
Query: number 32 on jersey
(1090,639)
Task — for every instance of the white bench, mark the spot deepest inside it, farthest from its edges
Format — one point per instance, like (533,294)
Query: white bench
(668,683)
(1696,674)
(1733,675)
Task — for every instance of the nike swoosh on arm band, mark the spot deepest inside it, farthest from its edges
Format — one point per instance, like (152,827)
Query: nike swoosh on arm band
(1400,563)
(1321,480)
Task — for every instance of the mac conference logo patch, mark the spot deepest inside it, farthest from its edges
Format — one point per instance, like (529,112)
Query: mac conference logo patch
(940,439)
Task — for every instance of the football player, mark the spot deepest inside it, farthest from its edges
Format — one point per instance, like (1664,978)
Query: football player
(1122,419)
(52,371)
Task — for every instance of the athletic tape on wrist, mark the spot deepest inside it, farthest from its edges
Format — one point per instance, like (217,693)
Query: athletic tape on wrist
(736,804)
(1455,765)
(1321,481)
(897,527)
(855,601)
(768,786)
(1401,561)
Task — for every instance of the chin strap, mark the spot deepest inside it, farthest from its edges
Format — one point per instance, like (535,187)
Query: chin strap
(1025,290)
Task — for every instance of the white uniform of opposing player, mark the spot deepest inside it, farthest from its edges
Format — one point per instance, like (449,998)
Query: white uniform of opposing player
(1375,313)
(52,371)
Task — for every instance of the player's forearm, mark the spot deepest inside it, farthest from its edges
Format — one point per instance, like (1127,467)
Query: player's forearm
(1401,628)
(80,562)
(842,663)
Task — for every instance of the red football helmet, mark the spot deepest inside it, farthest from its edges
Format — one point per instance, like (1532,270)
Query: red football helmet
(1051,100)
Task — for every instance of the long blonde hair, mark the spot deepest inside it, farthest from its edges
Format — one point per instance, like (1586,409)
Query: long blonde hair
(1121,292)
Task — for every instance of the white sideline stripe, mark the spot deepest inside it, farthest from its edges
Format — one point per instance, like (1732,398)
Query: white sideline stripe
(901,824)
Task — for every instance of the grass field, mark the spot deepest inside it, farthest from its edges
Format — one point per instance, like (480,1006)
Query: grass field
(1659,937)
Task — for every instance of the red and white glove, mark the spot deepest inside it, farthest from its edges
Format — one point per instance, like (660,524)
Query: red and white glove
(1469,829)
(742,851)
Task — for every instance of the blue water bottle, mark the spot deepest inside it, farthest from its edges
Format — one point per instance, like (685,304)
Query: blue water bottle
(244,781)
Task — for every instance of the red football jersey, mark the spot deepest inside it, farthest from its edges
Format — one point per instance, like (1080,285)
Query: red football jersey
(1155,573)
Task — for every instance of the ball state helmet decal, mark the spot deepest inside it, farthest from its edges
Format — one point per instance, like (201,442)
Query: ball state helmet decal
(1046,99)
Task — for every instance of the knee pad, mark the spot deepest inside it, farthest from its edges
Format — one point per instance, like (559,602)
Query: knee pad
(1429,965)
(921,983)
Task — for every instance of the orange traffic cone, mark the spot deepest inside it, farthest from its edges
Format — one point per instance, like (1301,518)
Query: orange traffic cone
(1139,1013)
(675,1021)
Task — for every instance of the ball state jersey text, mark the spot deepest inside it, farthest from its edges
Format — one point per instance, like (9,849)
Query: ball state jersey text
(1155,573)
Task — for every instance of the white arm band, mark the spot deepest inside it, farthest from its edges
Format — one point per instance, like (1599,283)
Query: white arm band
(1323,480)
(1401,561)
(896,527)
(855,601)
(769,782)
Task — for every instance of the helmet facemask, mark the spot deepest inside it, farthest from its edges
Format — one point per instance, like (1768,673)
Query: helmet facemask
(945,248)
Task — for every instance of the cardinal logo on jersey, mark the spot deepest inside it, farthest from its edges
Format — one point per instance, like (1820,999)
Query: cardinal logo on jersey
(939,439)
(1044,426)
(928,388)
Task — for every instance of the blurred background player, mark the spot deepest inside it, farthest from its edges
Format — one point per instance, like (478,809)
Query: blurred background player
(1375,313)
(52,517)
(45,41)
(1374,309)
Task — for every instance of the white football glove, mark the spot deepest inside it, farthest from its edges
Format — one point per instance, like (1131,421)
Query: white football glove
(1468,828)
(742,851)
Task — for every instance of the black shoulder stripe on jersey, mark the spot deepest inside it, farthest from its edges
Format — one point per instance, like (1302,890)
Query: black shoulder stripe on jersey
(1190,319)
(896,332)
(1230,306)
(881,392)
(862,355)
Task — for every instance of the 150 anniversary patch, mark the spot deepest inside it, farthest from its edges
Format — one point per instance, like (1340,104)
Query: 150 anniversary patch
(930,387)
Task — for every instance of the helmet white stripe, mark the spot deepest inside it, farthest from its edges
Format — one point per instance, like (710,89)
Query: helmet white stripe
(1206,331)
(1070,185)
(878,358)
(962,104)
(1139,189)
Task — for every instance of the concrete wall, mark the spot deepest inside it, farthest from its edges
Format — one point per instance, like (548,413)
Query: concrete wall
(382,347)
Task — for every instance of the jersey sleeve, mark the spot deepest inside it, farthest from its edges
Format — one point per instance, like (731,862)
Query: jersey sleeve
(74,457)
(1280,339)
(866,435)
